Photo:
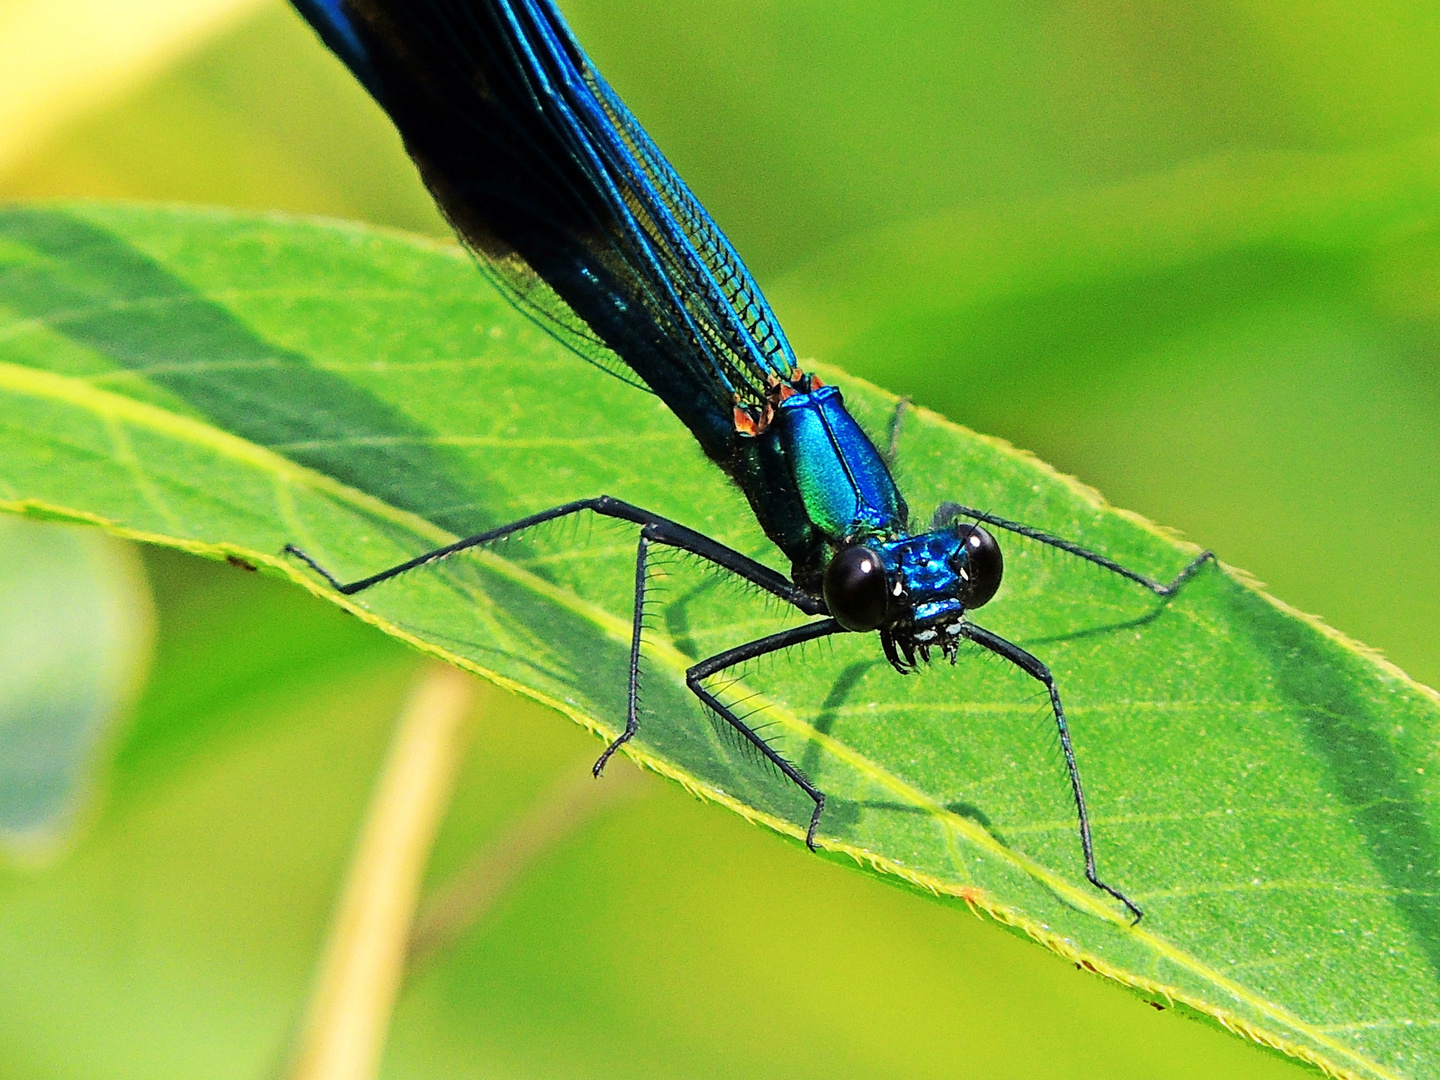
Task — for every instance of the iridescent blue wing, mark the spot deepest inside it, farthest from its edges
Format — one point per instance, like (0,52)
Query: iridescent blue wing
(548,177)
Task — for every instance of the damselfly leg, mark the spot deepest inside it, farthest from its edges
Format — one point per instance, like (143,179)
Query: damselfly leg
(949,511)
(695,678)
(1033,667)
(654,529)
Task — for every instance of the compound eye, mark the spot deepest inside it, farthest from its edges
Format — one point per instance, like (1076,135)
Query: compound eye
(981,567)
(855,590)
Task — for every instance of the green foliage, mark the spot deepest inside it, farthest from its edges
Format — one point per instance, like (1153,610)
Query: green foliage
(228,385)
(77,644)
(177,937)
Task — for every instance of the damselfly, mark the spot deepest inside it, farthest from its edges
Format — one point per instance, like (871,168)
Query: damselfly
(549,179)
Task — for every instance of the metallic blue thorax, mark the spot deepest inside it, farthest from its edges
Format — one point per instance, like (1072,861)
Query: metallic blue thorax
(843,484)
(846,494)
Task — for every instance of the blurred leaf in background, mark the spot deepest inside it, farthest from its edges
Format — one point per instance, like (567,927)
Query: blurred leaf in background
(1186,252)
(76,638)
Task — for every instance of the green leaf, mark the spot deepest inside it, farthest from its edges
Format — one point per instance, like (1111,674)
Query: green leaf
(1264,788)
(76,636)
(156,948)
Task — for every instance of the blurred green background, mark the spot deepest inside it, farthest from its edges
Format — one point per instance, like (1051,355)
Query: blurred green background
(1189,253)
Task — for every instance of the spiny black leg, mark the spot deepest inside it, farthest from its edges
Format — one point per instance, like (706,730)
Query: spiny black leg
(659,529)
(654,530)
(1187,572)
(353,587)
(335,583)
(948,511)
(632,712)
(1035,669)
(696,676)
(892,449)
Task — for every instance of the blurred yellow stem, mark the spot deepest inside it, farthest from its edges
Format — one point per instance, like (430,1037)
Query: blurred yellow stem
(364,960)
(463,901)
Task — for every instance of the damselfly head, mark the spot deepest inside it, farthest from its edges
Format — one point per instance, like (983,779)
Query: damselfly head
(915,590)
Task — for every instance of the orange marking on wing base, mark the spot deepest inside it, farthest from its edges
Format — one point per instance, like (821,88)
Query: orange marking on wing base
(746,423)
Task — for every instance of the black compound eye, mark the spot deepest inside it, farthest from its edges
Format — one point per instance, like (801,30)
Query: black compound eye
(981,569)
(855,590)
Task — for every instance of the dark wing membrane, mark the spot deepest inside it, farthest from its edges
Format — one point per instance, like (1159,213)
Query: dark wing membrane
(714,265)
(534,298)
(546,175)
